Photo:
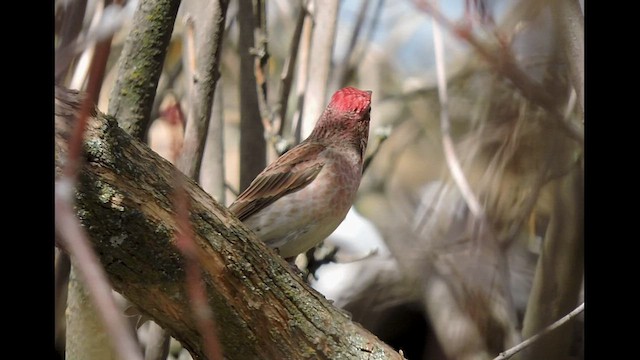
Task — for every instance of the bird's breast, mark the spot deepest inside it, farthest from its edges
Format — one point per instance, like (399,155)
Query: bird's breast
(298,221)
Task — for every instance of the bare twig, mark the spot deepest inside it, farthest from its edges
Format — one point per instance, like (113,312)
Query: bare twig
(449,152)
(209,30)
(514,350)
(213,170)
(69,18)
(202,313)
(375,18)
(343,68)
(96,74)
(322,43)
(261,54)
(286,77)
(230,187)
(61,274)
(303,76)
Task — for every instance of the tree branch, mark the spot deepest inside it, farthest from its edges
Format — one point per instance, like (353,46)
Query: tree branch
(201,312)
(140,64)
(252,142)
(286,77)
(302,73)
(571,31)
(341,71)
(123,200)
(322,44)
(514,350)
(449,152)
(209,30)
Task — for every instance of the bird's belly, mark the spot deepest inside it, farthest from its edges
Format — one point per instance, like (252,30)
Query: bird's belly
(298,221)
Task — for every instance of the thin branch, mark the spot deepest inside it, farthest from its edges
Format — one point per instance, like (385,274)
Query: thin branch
(96,75)
(514,350)
(93,276)
(449,152)
(203,316)
(359,53)
(213,161)
(303,75)
(571,31)
(286,77)
(261,57)
(72,236)
(322,44)
(342,70)
(69,18)
(209,30)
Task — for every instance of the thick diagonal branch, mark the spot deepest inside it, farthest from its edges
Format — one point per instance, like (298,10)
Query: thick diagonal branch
(265,311)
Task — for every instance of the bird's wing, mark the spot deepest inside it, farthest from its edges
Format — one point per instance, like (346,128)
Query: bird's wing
(289,173)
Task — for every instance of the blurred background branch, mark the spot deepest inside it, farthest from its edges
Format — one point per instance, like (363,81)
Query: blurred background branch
(208,24)
(325,16)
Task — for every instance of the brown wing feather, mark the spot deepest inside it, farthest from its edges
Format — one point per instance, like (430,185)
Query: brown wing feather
(289,173)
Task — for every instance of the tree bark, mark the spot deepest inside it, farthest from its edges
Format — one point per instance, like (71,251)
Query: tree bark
(124,200)
(140,64)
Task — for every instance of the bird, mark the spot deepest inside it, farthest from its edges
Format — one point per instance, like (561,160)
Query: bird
(300,199)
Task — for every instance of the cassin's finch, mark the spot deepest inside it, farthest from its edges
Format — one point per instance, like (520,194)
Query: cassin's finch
(302,197)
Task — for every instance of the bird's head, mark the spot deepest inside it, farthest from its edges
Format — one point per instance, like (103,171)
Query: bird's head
(351,100)
(346,119)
